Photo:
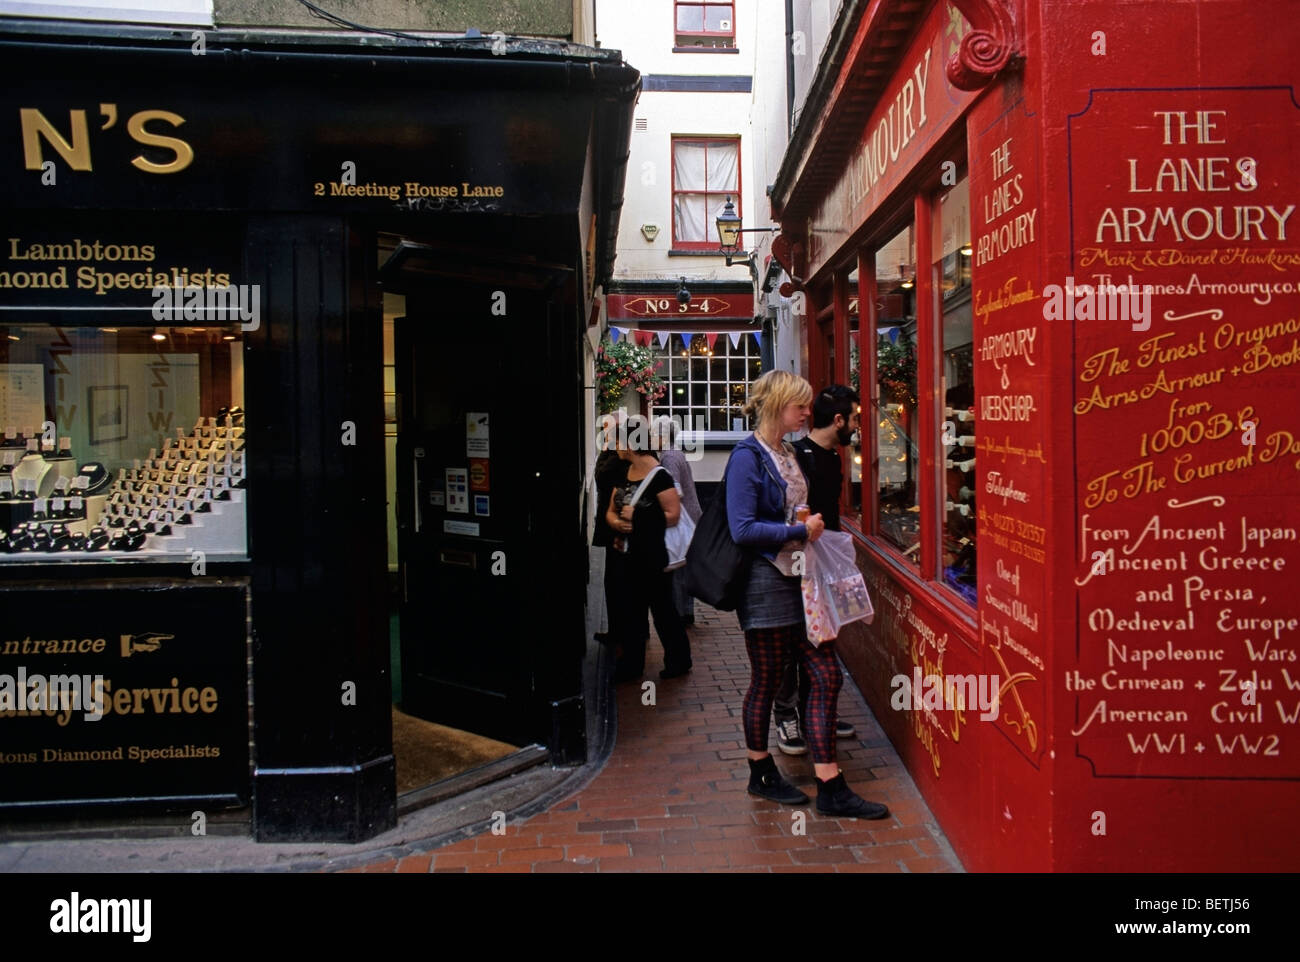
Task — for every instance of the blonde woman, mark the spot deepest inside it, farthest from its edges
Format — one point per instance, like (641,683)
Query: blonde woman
(764,485)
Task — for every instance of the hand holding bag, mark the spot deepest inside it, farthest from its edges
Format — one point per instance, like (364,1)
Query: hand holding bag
(834,591)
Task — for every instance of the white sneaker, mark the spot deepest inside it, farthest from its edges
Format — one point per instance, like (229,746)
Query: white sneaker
(789,740)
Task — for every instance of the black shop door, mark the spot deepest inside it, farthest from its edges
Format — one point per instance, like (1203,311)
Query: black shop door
(474,505)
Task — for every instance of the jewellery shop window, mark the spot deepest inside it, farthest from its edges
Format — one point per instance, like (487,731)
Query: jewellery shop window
(894,401)
(951,259)
(122,443)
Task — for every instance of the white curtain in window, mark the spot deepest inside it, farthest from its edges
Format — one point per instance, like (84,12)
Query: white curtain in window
(689,166)
(723,169)
(690,215)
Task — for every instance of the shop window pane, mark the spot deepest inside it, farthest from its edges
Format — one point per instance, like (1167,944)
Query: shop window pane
(706,390)
(950,240)
(894,397)
(146,460)
(690,17)
(855,444)
(957,436)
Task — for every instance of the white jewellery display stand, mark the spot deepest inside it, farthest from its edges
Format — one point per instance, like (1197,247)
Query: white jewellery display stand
(188,498)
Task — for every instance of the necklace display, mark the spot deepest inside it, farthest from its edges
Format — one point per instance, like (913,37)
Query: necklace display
(149,508)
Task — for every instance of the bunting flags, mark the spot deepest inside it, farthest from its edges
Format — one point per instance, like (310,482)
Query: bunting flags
(646,338)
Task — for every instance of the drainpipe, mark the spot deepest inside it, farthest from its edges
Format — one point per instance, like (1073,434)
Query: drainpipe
(789,67)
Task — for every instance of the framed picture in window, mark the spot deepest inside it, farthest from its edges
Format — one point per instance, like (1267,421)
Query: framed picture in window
(108,412)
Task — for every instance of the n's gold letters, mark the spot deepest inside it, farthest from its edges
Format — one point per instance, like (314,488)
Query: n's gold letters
(35,126)
(184,152)
(77,152)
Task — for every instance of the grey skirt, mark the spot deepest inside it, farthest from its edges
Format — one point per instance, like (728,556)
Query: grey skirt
(771,599)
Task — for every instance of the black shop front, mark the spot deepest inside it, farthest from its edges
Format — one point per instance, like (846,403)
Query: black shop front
(271,311)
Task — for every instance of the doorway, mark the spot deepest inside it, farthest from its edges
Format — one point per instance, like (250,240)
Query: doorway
(463,493)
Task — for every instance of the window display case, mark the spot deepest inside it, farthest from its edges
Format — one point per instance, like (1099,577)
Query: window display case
(94,461)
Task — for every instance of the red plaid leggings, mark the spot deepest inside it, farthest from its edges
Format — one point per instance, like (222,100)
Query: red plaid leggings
(769,648)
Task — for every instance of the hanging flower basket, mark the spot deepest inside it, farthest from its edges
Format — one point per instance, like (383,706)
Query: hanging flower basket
(622,367)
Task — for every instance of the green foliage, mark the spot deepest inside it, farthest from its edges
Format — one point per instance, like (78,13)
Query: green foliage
(896,371)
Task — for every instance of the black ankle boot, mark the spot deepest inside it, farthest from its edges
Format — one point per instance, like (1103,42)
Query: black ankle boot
(835,798)
(766,782)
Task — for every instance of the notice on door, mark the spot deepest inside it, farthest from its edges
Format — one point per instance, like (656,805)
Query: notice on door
(476,434)
(458,490)
(479,478)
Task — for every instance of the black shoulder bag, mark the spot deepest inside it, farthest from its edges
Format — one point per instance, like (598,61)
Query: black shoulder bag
(717,569)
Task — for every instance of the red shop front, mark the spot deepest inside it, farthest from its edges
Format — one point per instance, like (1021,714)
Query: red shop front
(1075,234)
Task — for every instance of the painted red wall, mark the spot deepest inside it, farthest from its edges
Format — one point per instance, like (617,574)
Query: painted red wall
(1186,778)
(1142,129)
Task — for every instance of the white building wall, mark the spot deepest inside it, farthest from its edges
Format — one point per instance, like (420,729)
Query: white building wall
(770,117)
(644,32)
(813,20)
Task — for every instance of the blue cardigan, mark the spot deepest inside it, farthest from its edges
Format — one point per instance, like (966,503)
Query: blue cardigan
(756,501)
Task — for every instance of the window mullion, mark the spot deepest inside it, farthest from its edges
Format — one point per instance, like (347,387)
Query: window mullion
(927,383)
(868,434)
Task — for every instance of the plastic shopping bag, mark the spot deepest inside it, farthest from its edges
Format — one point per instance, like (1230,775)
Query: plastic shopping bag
(834,592)
(677,540)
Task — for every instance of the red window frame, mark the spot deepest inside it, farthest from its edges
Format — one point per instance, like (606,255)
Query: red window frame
(692,37)
(710,243)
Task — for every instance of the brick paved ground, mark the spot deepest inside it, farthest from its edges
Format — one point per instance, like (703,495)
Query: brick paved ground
(672,795)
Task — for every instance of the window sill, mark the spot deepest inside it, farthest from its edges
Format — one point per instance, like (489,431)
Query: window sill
(706,50)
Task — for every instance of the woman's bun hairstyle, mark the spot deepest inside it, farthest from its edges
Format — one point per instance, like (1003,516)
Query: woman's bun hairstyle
(769,395)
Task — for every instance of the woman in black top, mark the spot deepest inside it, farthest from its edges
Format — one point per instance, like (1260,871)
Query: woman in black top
(610,469)
(639,531)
